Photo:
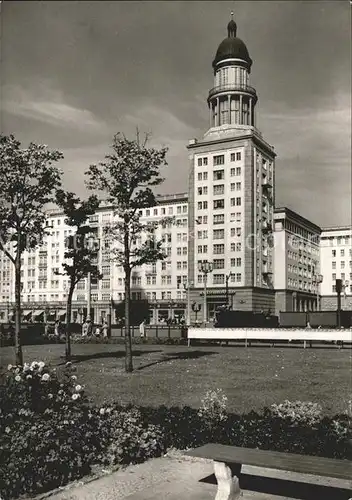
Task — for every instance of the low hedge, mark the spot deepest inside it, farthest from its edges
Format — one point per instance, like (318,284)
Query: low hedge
(78,339)
(51,434)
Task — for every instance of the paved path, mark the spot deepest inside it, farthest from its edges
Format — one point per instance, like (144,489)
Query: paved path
(178,478)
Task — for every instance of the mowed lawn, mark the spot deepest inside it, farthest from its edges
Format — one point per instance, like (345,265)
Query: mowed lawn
(177,375)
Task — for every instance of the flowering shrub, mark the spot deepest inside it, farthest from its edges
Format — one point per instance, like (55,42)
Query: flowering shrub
(342,424)
(213,407)
(44,425)
(126,437)
(49,435)
(298,412)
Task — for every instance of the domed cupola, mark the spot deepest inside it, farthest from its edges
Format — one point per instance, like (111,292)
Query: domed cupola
(232,100)
(232,48)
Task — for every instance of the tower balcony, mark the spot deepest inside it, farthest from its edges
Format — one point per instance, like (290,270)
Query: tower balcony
(267,227)
(232,87)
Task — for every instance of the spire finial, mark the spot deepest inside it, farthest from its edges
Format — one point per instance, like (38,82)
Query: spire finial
(231,27)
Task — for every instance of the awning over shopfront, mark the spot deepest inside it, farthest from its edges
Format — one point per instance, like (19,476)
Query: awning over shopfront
(61,314)
(38,313)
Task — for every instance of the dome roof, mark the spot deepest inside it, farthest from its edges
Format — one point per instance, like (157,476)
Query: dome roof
(232,47)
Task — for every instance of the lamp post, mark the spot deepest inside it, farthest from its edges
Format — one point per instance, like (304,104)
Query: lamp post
(227,277)
(92,243)
(317,279)
(205,267)
(187,286)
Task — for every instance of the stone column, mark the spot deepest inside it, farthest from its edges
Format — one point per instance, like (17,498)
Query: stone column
(210,114)
(229,108)
(218,112)
(241,110)
(250,112)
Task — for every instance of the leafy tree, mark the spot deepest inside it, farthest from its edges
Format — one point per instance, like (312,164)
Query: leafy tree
(28,181)
(127,176)
(79,252)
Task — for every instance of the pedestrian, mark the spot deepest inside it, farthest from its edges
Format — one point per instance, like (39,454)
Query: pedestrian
(89,327)
(46,329)
(142,329)
(105,329)
(84,329)
(57,328)
(97,331)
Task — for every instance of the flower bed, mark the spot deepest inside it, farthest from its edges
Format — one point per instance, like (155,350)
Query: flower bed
(51,435)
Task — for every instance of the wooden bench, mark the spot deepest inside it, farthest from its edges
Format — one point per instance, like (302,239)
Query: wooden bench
(228,461)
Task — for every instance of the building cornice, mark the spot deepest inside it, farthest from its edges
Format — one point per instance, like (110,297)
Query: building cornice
(295,217)
(250,135)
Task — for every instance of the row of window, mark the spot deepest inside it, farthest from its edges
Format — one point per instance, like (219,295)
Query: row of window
(234,172)
(342,264)
(219,234)
(343,276)
(339,240)
(219,249)
(301,285)
(300,231)
(219,189)
(179,210)
(342,252)
(220,263)
(219,159)
(334,288)
(219,279)
(220,204)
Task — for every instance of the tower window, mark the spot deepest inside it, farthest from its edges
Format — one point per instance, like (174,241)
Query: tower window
(219,219)
(219,204)
(218,234)
(218,175)
(219,160)
(218,189)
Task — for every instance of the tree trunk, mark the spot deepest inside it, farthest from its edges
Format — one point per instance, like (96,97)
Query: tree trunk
(18,347)
(128,340)
(127,269)
(68,324)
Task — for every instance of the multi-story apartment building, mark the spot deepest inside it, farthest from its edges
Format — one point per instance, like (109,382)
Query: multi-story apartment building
(44,292)
(231,190)
(296,261)
(6,280)
(336,263)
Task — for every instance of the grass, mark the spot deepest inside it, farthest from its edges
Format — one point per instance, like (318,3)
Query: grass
(177,375)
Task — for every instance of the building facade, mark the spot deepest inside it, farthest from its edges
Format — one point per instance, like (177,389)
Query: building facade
(44,292)
(231,191)
(297,262)
(336,263)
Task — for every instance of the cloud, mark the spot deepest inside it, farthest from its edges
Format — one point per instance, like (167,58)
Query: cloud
(313,166)
(49,107)
(323,133)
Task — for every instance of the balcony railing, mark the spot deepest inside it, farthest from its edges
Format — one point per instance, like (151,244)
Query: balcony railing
(267,227)
(232,86)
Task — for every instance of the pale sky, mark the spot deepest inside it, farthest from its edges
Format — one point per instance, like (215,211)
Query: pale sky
(75,73)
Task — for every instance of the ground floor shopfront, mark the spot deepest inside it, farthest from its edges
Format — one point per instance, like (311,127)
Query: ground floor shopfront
(33,312)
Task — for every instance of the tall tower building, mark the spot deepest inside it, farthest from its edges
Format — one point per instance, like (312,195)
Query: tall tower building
(231,191)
